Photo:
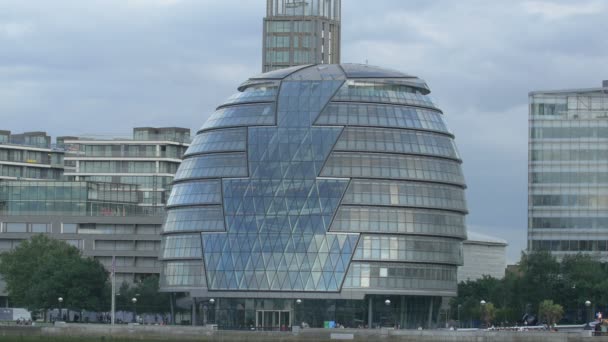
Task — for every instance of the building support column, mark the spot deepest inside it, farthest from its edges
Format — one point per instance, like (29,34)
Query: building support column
(402,317)
(369,313)
(193,317)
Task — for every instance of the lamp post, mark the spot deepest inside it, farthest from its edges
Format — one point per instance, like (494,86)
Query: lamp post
(134,301)
(482,304)
(60,300)
(295,310)
(588,305)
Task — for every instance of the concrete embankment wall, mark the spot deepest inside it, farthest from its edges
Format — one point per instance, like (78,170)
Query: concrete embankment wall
(179,333)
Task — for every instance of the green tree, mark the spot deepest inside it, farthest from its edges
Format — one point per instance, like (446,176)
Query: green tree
(550,312)
(149,299)
(488,313)
(42,269)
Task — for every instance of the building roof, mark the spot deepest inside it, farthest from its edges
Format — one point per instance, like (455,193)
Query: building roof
(477,238)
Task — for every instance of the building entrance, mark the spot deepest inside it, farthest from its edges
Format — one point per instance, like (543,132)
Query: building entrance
(273,320)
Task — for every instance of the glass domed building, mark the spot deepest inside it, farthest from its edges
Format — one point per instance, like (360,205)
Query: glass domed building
(318,195)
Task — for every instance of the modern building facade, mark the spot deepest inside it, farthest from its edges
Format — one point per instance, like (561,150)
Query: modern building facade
(318,194)
(568,171)
(483,256)
(149,160)
(101,203)
(29,156)
(301,32)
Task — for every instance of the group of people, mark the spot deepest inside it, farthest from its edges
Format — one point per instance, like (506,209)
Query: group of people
(23,321)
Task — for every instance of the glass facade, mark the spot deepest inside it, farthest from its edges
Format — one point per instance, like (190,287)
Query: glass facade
(567,165)
(307,203)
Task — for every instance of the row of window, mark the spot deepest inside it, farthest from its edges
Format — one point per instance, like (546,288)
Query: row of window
(147,182)
(122,245)
(591,201)
(197,192)
(221,140)
(401,276)
(570,177)
(31,157)
(281,280)
(399,193)
(408,248)
(569,132)
(182,246)
(264,92)
(570,245)
(396,141)
(75,208)
(131,151)
(398,220)
(378,91)
(570,155)
(371,165)
(29,172)
(289,26)
(243,115)
(379,115)
(213,166)
(82,228)
(126,167)
(196,219)
(121,261)
(570,222)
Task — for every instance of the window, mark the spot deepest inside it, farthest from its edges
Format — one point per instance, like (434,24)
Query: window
(69,228)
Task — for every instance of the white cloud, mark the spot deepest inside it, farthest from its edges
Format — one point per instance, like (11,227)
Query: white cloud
(556,11)
(15,29)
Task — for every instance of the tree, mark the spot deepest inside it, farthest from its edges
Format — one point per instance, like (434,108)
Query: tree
(550,312)
(488,312)
(41,270)
(149,299)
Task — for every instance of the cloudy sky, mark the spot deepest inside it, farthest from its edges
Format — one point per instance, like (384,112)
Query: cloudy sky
(102,67)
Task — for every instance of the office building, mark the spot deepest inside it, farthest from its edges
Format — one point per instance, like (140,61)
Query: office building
(29,156)
(318,194)
(301,32)
(568,172)
(109,202)
(483,256)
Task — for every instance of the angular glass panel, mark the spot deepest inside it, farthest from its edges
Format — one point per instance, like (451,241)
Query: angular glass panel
(186,246)
(183,274)
(213,166)
(353,70)
(242,115)
(194,219)
(396,141)
(406,194)
(221,140)
(357,219)
(376,165)
(199,192)
(260,92)
(381,115)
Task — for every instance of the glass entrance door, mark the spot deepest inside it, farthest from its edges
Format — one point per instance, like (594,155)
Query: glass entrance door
(273,320)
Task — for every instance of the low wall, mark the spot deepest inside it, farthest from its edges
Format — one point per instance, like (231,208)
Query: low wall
(179,333)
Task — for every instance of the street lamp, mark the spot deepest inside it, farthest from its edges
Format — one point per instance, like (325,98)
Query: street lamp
(60,300)
(588,305)
(134,301)
(387,302)
(298,301)
(211,301)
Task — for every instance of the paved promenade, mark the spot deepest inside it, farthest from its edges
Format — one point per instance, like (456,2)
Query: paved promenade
(99,332)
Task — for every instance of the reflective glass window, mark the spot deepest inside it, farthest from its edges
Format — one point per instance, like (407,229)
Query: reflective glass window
(398,220)
(380,115)
(198,192)
(399,193)
(242,115)
(182,246)
(221,140)
(213,166)
(263,92)
(409,248)
(396,141)
(378,91)
(376,165)
(569,222)
(401,276)
(183,273)
(197,219)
